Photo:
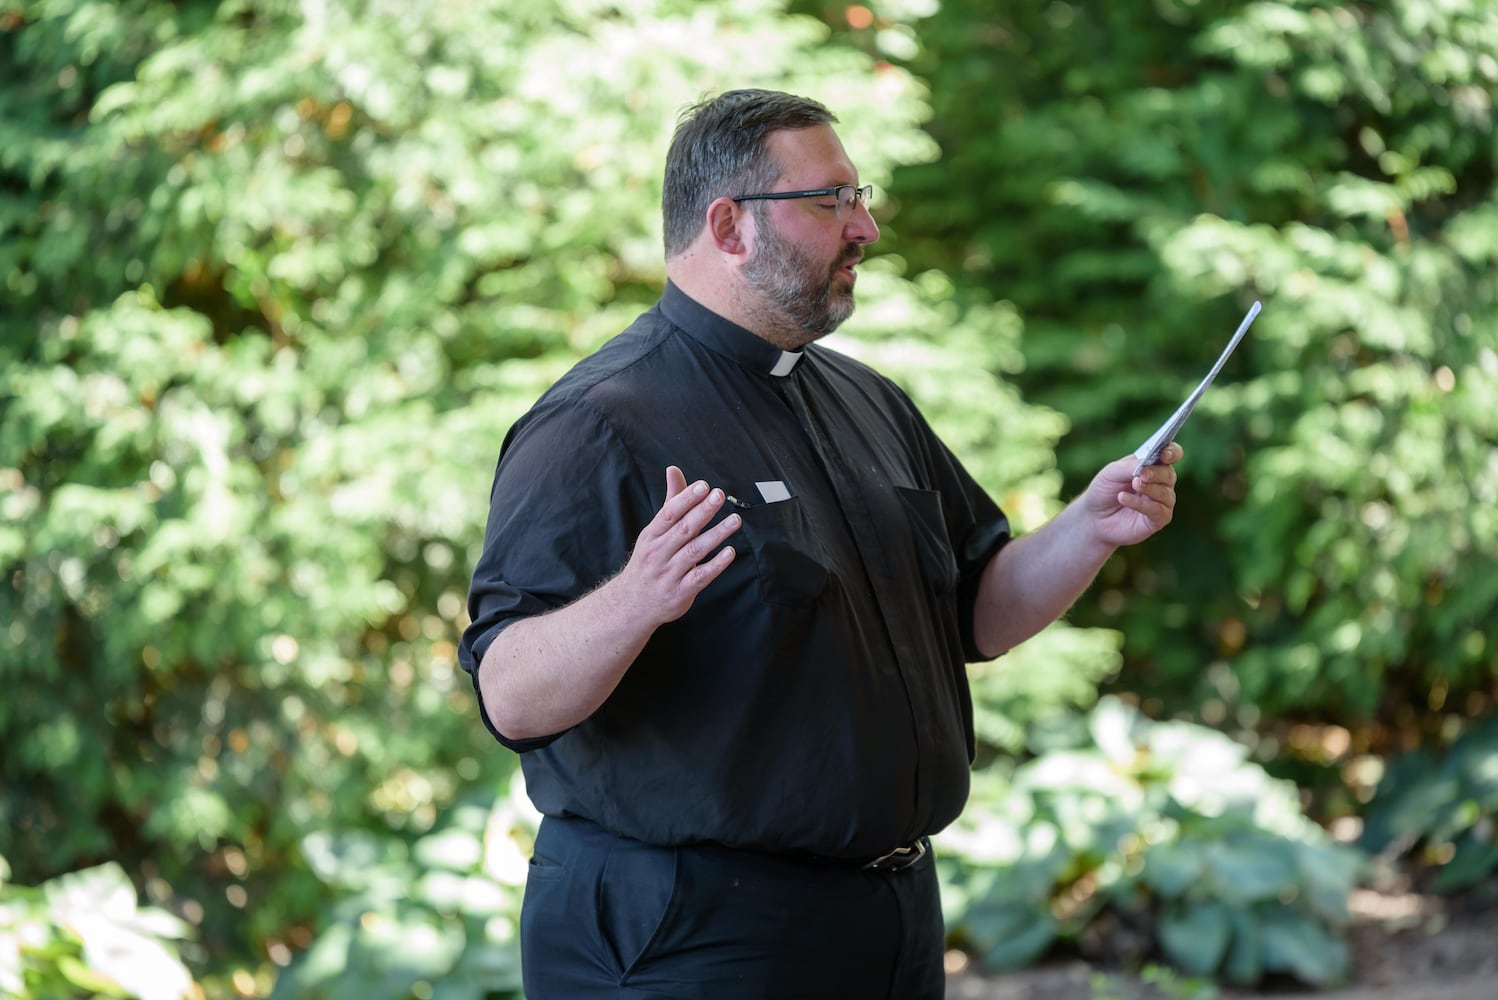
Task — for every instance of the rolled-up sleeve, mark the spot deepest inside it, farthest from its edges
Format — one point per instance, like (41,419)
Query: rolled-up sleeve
(567,503)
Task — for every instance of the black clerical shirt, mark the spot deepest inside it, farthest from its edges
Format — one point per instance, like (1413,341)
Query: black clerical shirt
(814,700)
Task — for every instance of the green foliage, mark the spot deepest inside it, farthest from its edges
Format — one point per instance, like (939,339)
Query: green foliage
(278,277)
(1165,980)
(1442,810)
(438,920)
(1162,834)
(83,934)
(1129,177)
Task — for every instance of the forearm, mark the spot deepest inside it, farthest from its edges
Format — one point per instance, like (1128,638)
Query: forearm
(1033,580)
(548,673)
(545,674)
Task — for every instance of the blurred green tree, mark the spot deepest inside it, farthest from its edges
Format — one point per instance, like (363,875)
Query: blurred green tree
(1130,177)
(278,277)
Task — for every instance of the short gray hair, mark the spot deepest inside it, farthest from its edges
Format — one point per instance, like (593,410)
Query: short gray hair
(719,151)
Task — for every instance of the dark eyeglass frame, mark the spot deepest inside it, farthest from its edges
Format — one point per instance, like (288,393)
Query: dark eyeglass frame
(860,194)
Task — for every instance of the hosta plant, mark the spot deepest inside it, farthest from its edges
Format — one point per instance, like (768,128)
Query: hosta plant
(1441,811)
(1149,840)
(85,934)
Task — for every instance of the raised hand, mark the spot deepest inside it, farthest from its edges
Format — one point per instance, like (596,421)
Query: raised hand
(680,551)
(1124,508)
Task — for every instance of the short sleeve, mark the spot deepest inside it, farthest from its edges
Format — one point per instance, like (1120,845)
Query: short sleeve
(567,504)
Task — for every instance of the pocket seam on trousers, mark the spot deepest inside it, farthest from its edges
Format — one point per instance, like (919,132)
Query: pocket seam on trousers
(629,964)
(544,869)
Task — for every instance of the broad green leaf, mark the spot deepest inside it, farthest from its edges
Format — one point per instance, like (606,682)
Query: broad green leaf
(1195,937)
(1298,945)
(1246,870)
(1171,868)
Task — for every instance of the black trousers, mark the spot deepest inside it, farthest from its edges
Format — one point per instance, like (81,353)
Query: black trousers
(604,916)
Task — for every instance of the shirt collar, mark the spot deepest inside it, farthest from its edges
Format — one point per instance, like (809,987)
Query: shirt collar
(725,336)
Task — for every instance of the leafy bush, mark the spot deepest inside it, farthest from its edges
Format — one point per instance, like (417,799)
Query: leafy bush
(278,277)
(1334,548)
(83,935)
(1441,810)
(1160,838)
(438,920)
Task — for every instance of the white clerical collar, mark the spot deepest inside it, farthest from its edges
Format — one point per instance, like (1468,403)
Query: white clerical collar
(787,361)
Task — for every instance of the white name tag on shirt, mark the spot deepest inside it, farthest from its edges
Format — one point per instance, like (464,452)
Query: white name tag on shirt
(773,491)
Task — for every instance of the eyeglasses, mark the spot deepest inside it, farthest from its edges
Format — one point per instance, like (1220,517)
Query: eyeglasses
(847,196)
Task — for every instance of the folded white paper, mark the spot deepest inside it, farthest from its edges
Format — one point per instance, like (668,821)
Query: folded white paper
(1149,452)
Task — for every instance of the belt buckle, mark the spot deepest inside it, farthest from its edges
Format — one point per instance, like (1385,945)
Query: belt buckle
(899,859)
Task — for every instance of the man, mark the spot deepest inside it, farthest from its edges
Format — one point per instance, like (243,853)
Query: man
(740,698)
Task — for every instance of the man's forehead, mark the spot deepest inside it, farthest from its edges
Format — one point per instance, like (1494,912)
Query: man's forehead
(815,151)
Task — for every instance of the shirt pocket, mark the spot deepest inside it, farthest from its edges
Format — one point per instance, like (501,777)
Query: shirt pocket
(928,536)
(789,559)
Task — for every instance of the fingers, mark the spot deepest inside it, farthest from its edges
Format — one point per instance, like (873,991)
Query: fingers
(1150,497)
(691,540)
(687,510)
(1153,494)
(1169,455)
(1157,481)
(703,573)
(681,551)
(1157,508)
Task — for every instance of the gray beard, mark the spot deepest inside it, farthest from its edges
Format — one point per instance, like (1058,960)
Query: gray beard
(802,306)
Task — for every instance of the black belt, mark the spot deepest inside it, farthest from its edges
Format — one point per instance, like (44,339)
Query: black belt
(899,859)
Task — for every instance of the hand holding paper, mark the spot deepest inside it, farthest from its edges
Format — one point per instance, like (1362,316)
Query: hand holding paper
(1149,452)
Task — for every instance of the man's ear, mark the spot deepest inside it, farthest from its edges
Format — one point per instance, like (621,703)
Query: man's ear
(726,224)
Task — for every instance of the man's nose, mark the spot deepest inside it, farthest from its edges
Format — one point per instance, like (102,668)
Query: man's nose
(861,227)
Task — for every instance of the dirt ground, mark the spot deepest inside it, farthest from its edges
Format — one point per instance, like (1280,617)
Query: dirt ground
(1404,946)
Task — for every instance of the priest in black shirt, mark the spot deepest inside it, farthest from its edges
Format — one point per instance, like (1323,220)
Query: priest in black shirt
(740,699)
